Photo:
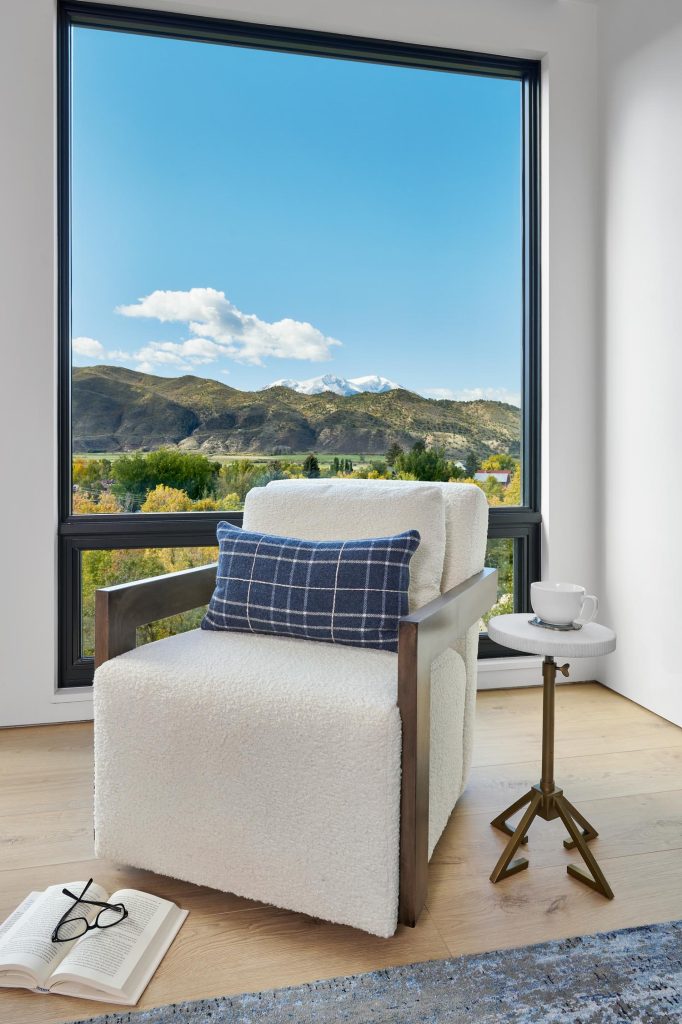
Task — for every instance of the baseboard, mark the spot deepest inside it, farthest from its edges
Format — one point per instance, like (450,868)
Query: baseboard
(499,673)
(526,670)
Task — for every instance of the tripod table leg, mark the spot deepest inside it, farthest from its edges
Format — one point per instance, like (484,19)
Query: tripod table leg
(597,881)
(501,820)
(503,868)
(589,831)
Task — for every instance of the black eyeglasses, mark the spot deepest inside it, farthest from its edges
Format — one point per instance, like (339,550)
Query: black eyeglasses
(70,928)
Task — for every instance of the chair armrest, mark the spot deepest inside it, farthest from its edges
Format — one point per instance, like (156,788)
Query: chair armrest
(430,630)
(450,615)
(424,635)
(121,609)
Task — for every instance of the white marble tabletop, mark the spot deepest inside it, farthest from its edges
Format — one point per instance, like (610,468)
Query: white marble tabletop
(516,632)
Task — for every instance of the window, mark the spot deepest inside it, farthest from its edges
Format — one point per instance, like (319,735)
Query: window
(104,567)
(284,253)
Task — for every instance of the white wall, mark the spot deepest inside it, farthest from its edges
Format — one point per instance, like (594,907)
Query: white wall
(27,381)
(641,90)
(563,33)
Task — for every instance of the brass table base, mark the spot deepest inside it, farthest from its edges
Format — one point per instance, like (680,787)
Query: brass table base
(547,801)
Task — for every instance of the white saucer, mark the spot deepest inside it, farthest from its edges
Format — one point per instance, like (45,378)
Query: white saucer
(562,628)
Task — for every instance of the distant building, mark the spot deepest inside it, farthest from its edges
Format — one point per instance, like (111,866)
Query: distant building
(502,476)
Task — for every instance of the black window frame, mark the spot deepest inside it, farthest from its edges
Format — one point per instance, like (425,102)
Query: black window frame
(180,529)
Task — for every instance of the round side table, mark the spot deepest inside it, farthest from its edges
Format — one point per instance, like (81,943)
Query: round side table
(545,799)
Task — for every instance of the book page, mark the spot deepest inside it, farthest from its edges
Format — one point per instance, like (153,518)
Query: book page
(108,956)
(19,912)
(27,942)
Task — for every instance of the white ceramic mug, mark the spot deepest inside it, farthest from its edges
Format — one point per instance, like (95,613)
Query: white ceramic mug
(562,604)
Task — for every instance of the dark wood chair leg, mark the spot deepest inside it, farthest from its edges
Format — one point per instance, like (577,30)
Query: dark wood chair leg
(424,635)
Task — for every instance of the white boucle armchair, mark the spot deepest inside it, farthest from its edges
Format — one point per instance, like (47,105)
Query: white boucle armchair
(312,776)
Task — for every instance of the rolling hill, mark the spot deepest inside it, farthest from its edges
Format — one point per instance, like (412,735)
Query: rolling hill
(115,409)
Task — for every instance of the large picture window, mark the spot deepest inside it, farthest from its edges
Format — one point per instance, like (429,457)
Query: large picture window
(285,254)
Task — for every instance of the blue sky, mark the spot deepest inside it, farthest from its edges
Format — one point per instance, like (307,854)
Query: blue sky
(247,215)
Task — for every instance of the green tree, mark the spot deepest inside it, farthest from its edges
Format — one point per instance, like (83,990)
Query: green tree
(393,453)
(471,464)
(136,475)
(90,475)
(422,463)
(238,477)
(311,467)
(493,490)
(496,492)
(167,499)
(512,494)
(228,503)
(500,463)
(104,568)
(500,556)
(89,504)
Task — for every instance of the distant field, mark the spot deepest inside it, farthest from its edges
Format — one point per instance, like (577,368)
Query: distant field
(324,458)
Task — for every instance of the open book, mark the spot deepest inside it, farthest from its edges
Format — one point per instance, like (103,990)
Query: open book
(113,965)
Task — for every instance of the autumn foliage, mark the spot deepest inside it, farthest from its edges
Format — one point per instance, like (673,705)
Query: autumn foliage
(172,481)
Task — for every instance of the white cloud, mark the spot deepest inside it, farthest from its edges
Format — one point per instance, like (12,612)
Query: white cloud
(201,349)
(183,355)
(244,337)
(89,348)
(475,395)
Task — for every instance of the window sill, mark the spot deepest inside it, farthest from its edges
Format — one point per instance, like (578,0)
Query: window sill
(72,694)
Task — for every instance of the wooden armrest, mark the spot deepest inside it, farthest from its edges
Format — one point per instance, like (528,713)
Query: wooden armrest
(460,607)
(424,635)
(121,609)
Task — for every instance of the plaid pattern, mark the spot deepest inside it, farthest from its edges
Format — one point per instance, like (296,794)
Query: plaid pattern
(342,592)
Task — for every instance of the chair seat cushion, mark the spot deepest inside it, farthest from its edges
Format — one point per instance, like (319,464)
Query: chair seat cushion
(350,592)
(264,766)
(268,767)
(250,669)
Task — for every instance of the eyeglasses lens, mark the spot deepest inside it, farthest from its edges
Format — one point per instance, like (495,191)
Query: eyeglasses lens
(109,916)
(72,929)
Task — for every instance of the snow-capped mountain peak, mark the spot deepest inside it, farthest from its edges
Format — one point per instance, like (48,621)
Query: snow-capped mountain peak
(338,385)
(375,384)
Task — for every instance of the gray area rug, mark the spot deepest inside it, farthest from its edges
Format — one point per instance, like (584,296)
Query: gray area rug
(632,976)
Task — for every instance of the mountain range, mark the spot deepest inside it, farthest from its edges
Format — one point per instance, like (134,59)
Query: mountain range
(337,385)
(115,409)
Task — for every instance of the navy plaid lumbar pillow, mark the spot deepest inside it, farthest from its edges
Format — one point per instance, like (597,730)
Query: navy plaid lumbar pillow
(343,592)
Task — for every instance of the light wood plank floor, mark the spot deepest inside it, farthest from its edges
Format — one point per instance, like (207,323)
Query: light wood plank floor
(620,764)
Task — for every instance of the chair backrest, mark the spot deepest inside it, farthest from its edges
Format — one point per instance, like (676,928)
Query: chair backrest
(451,519)
(466,532)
